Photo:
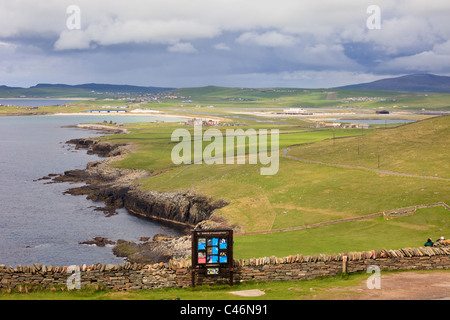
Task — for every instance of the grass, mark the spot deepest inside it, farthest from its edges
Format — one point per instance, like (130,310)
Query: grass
(375,233)
(420,148)
(283,290)
(304,193)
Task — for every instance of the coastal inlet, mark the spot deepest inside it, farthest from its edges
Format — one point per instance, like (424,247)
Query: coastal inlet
(40,223)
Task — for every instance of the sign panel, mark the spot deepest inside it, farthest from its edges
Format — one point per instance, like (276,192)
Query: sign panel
(212,250)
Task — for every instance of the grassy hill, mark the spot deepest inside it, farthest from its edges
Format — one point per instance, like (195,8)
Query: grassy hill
(90,90)
(222,97)
(420,148)
(409,83)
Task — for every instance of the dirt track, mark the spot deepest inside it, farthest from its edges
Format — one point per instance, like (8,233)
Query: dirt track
(401,286)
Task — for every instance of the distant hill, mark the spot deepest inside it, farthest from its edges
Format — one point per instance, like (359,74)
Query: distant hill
(409,83)
(107,88)
(81,90)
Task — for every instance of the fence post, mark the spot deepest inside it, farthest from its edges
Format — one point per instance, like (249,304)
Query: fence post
(344,264)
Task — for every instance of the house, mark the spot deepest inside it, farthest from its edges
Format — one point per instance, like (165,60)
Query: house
(358,125)
(332,125)
(202,122)
(323,124)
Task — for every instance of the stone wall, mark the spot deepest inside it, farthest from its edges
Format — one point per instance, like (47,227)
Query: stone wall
(177,273)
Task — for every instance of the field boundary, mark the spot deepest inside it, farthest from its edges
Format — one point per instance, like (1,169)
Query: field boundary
(177,273)
(348,166)
(387,214)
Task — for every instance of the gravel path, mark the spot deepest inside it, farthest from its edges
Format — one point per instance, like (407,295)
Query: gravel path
(400,286)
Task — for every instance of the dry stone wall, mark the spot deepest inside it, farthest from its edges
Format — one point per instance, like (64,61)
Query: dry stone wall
(177,273)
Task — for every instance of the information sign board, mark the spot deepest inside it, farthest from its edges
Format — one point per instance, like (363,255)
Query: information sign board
(212,251)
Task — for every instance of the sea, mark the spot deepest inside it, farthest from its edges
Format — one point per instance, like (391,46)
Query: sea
(35,102)
(38,222)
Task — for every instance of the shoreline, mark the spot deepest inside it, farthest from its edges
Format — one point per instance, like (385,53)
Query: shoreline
(137,114)
(181,210)
(150,114)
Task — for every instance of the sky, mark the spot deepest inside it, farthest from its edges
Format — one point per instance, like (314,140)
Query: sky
(245,43)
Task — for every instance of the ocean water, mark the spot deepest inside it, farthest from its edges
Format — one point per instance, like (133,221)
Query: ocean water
(38,223)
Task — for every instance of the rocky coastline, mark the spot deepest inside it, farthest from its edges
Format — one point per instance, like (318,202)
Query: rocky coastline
(116,188)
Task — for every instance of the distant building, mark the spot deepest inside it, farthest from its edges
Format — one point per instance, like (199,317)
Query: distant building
(323,124)
(202,122)
(295,111)
(357,126)
(106,111)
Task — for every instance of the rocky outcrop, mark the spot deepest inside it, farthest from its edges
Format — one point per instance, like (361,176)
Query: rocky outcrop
(102,149)
(162,248)
(98,241)
(116,189)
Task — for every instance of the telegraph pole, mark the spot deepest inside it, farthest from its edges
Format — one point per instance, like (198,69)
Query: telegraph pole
(378,159)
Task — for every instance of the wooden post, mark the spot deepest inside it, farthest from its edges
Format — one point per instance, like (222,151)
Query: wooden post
(193,272)
(344,264)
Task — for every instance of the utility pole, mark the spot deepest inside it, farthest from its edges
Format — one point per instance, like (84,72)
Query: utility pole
(378,159)
(423,180)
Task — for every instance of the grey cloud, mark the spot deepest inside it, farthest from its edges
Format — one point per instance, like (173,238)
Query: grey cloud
(204,41)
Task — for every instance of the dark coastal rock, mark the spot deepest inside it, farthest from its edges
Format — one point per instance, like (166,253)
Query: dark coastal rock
(100,148)
(184,207)
(98,241)
(162,248)
(107,210)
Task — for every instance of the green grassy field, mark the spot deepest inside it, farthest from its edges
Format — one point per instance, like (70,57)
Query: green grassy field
(364,235)
(312,98)
(303,193)
(421,149)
